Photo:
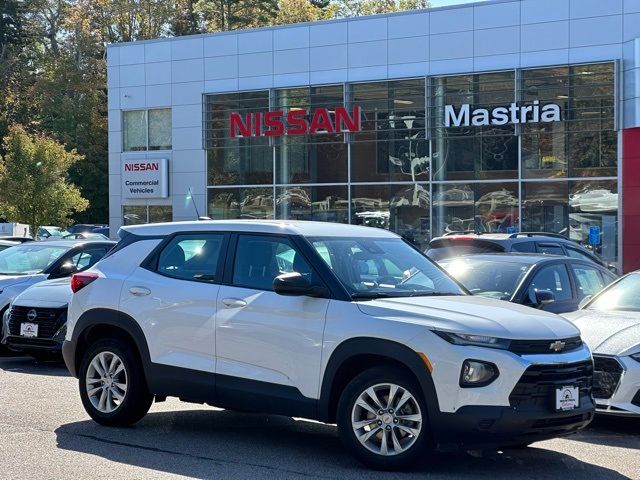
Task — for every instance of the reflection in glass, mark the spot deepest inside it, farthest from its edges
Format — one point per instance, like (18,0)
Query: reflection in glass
(403,209)
(595,204)
(240,165)
(134,126)
(160,213)
(134,214)
(327,204)
(475,208)
(160,129)
(233,203)
(391,145)
(545,207)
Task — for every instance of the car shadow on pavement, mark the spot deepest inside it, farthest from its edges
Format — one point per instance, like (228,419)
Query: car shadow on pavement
(226,444)
(612,431)
(31,366)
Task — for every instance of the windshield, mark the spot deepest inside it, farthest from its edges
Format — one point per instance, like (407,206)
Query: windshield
(622,296)
(28,258)
(486,277)
(380,267)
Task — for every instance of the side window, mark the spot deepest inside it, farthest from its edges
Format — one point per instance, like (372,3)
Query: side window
(525,247)
(575,253)
(554,279)
(550,249)
(589,280)
(260,259)
(191,257)
(88,258)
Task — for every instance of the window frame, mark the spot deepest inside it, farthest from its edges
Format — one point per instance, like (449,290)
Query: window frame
(233,250)
(146,110)
(603,273)
(151,262)
(523,294)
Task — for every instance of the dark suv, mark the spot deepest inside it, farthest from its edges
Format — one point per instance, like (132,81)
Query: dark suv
(457,244)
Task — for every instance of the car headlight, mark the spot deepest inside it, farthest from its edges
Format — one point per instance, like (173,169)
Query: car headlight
(476,373)
(474,340)
(636,356)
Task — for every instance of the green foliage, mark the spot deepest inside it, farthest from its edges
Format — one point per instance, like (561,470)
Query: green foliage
(356,8)
(33,181)
(221,15)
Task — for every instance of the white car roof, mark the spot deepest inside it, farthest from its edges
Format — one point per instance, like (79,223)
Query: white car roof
(287,227)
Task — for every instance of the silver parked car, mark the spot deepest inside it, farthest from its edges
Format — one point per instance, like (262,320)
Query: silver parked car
(610,325)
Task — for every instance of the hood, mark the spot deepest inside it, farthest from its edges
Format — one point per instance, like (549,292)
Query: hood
(50,294)
(9,280)
(608,333)
(473,315)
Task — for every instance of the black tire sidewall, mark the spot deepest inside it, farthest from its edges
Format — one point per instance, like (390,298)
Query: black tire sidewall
(137,399)
(417,453)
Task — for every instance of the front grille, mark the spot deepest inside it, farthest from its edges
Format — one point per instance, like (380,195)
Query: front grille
(560,421)
(49,320)
(537,386)
(607,372)
(537,347)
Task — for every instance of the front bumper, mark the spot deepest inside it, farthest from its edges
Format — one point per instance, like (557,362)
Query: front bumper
(625,395)
(486,427)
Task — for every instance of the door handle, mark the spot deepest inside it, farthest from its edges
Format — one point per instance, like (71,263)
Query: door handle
(139,291)
(234,303)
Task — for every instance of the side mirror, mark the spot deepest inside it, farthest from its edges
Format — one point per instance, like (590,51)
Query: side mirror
(544,298)
(66,269)
(295,284)
(584,301)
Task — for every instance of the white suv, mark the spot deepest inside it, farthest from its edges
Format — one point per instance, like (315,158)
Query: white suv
(336,323)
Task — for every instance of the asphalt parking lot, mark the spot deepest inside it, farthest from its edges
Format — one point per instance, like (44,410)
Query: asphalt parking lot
(45,434)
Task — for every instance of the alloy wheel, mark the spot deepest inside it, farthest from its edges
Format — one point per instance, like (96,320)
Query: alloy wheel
(386,419)
(106,382)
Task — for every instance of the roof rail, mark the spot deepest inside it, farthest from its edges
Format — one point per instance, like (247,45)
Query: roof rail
(537,234)
(461,232)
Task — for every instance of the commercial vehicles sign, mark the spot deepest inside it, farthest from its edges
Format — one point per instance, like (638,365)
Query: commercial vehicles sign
(145,178)
(295,122)
(514,114)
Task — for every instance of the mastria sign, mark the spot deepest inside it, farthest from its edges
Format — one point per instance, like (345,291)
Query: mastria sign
(534,113)
(295,122)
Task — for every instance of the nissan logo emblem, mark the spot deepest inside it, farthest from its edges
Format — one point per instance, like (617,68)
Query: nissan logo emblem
(31,315)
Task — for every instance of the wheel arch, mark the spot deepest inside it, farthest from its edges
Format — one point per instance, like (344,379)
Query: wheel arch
(358,354)
(103,322)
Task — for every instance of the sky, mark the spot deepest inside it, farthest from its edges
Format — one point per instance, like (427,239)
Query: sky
(445,3)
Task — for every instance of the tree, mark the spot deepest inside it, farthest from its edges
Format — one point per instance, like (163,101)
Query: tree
(221,15)
(298,11)
(356,8)
(34,188)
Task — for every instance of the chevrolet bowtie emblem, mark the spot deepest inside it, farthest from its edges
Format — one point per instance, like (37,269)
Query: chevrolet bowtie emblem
(557,346)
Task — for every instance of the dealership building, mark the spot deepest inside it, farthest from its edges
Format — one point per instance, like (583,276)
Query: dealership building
(499,116)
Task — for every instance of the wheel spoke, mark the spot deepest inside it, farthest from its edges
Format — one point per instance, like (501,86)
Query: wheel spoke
(121,386)
(93,391)
(95,363)
(117,394)
(119,369)
(392,393)
(363,423)
(416,417)
(363,404)
(384,449)
(109,402)
(396,444)
(366,436)
(114,361)
(91,381)
(374,396)
(406,396)
(411,431)
(103,362)
(101,403)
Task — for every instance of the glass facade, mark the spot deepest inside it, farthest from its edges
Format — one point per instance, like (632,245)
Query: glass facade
(406,169)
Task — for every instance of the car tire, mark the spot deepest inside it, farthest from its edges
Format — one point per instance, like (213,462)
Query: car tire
(118,395)
(368,434)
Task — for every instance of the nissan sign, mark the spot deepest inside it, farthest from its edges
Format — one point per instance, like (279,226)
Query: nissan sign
(145,178)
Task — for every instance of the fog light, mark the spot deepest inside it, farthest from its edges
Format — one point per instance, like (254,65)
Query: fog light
(476,373)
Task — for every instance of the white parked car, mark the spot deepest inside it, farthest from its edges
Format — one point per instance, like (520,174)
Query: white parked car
(342,324)
(36,322)
(610,325)
(26,264)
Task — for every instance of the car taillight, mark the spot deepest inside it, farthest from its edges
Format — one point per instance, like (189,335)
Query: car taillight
(81,280)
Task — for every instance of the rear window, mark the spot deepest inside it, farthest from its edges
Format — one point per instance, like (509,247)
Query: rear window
(447,248)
